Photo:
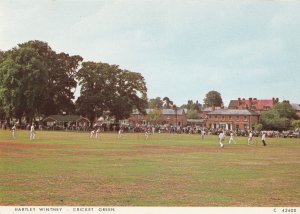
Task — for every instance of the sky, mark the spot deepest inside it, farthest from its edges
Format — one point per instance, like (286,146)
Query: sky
(184,49)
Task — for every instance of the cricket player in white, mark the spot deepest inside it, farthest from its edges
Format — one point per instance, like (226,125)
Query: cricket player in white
(32,132)
(13,132)
(120,133)
(250,138)
(221,139)
(147,134)
(231,138)
(97,132)
(202,134)
(263,138)
(92,134)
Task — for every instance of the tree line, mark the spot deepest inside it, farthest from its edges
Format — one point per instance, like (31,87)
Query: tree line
(36,81)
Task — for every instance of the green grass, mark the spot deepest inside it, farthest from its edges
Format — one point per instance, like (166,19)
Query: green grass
(68,168)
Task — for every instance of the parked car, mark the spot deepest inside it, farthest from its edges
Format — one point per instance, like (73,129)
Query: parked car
(294,135)
(287,134)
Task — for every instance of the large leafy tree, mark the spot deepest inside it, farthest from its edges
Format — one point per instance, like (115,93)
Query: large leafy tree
(279,117)
(285,110)
(107,88)
(35,80)
(61,69)
(155,103)
(23,78)
(213,98)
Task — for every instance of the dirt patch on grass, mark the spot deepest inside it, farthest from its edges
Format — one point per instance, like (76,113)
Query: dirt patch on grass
(28,149)
(138,149)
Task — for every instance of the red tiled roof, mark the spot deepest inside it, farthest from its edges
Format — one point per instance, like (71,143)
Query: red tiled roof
(259,104)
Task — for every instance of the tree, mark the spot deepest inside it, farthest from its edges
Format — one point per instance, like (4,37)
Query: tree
(259,127)
(155,103)
(35,80)
(167,102)
(23,78)
(285,110)
(296,124)
(213,98)
(192,114)
(61,69)
(107,88)
(271,120)
(192,106)
(155,116)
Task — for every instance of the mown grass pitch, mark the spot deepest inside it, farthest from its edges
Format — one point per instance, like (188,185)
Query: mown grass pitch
(68,168)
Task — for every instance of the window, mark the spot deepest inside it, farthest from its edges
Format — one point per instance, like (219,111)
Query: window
(245,118)
(230,118)
(237,118)
(223,118)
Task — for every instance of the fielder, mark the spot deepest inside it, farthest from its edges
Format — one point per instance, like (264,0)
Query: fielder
(92,134)
(97,133)
(202,134)
(231,138)
(221,139)
(120,133)
(147,134)
(263,138)
(13,134)
(32,132)
(250,138)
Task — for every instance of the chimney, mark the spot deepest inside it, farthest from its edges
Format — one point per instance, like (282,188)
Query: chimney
(243,98)
(250,101)
(277,100)
(273,99)
(254,98)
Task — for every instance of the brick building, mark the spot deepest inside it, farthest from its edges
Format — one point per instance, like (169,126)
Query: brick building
(232,119)
(168,116)
(253,104)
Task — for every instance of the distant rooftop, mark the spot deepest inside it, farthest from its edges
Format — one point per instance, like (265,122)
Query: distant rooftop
(163,111)
(252,103)
(296,106)
(244,112)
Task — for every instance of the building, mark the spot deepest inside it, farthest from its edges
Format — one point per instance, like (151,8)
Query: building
(232,119)
(168,116)
(253,104)
(207,110)
(64,121)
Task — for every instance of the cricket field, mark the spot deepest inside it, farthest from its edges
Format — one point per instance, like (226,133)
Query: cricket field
(69,169)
